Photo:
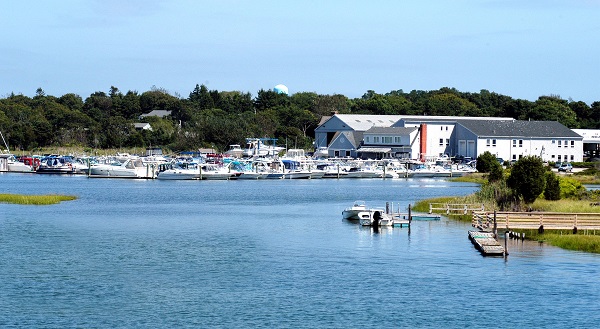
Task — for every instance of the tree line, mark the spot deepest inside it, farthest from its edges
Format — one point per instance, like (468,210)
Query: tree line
(216,119)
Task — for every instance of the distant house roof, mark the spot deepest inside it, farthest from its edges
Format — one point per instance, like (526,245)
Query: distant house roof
(142,126)
(156,113)
(354,137)
(362,122)
(391,130)
(547,129)
(443,118)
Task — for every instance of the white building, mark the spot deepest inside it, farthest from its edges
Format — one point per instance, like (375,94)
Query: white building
(426,138)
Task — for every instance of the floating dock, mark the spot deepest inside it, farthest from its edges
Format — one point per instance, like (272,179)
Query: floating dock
(486,243)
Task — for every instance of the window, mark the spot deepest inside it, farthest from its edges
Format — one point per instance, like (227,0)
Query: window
(348,153)
(514,157)
(487,143)
(447,141)
(553,141)
(441,128)
(441,142)
(572,143)
(559,143)
(520,143)
(376,139)
(514,143)
(367,139)
(387,139)
(553,156)
(572,158)
(397,140)
(559,158)
(446,128)
(493,143)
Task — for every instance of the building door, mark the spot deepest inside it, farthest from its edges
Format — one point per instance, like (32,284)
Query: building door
(462,147)
(471,149)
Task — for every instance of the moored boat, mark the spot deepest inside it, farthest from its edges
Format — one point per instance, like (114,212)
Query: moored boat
(375,217)
(351,213)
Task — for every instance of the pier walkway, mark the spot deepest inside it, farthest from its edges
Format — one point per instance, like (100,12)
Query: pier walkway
(488,221)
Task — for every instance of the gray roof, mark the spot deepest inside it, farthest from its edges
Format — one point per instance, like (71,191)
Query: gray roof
(391,130)
(362,122)
(529,129)
(156,113)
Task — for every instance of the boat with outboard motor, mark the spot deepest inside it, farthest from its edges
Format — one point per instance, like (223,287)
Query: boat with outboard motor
(351,213)
(375,217)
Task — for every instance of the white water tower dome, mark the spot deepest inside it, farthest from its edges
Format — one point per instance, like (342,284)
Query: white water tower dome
(281,89)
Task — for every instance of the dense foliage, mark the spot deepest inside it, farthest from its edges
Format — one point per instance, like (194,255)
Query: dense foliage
(552,190)
(527,178)
(212,118)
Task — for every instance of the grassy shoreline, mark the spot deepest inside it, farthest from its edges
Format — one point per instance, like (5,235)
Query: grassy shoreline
(38,200)
(585,241)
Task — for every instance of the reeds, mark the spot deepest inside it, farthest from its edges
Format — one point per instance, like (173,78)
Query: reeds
(34,199)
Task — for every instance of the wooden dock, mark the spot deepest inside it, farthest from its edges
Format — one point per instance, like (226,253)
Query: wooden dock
(455,208)
(486,243)
(536,220)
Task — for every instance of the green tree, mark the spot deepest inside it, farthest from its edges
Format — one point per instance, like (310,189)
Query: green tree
(485,161)
(527,178)
(552,190)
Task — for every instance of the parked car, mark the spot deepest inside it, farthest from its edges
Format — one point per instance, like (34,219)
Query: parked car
(566,167)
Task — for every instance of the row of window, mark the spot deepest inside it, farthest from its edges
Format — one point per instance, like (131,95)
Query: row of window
(384,139)
(442,142)
(515,142)
(566,144)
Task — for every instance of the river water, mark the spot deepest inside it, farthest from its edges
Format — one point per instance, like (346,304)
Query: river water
(274,254)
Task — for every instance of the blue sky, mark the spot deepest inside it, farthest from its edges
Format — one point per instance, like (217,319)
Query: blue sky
(523,49)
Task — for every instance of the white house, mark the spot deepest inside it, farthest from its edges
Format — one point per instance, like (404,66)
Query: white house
(341,134)
(511,140)
(389,142)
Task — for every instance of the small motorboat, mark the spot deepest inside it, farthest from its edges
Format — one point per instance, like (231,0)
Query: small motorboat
(351,213)
(375,217)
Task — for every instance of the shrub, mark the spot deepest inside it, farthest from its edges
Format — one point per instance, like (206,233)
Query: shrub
(552,190)
(486,161)
(527,178)
(570,187)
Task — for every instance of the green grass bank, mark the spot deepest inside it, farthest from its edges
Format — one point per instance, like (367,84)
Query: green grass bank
(38,200)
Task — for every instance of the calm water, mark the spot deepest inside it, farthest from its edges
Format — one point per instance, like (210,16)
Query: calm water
(159,254)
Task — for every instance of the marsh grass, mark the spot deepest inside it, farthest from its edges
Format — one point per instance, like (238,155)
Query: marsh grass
(565,205)
(584,240)
(34,199)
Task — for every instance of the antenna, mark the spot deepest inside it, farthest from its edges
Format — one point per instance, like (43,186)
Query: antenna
(4,140)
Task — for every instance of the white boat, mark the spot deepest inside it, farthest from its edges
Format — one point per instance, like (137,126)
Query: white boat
(214,172)
(375,217)
(351,213)
(235,151)
(294,170)
(257,147)
(429,171)
(55,165)
(181,171)
(8,162)
(131,168)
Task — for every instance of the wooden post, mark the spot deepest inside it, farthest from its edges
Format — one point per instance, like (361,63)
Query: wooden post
(465,211)
(430,208)
(410,214)
(495,225)
(505,243)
